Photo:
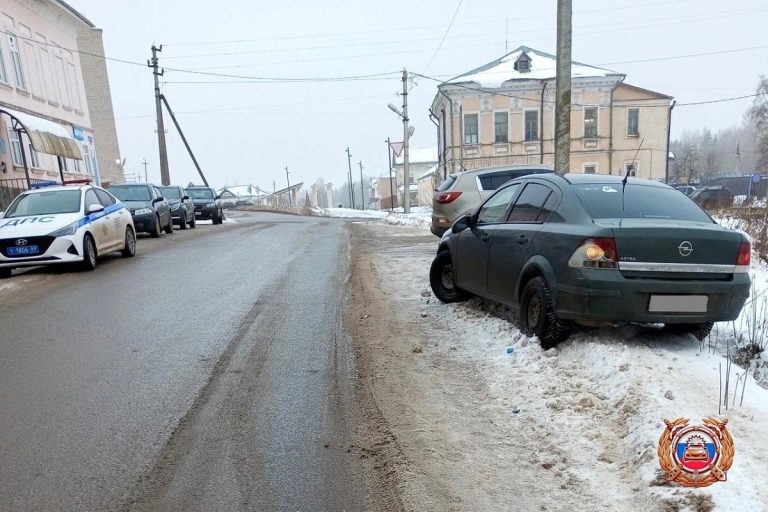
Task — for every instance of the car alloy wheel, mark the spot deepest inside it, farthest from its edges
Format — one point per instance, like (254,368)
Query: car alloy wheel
(441,279)
(89,252)
(183,224)
(129,249)
(537,314)
(156,230)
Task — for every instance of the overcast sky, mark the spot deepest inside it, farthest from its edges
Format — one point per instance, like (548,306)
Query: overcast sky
(246,132)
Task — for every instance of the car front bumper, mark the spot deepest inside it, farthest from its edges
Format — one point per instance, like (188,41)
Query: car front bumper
(63,249)
(144,223)
(607,296)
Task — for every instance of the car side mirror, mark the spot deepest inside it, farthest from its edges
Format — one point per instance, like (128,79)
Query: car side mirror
(158,200)
(217,197)
(95,208)
(462,223)
(185,198)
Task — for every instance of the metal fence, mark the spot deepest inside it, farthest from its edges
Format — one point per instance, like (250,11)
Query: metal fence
(10,188)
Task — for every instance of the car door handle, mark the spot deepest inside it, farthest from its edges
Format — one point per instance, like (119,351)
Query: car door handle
(522,239)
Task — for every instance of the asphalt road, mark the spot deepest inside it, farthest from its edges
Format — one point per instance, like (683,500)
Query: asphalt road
(208,373)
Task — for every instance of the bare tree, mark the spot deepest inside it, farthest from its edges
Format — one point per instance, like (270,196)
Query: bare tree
(758,114)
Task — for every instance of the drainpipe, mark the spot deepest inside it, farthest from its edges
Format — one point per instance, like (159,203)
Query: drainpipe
(541,122)
(437,126)
(669,134)
(453,154)
(610,127)
(461,127)
(445,130)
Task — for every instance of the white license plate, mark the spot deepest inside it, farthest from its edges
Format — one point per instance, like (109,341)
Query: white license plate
(678,304)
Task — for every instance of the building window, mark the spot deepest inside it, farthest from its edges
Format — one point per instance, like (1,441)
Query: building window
(13,46)
(630,169)
(13,136)
(531,125)
(633,122)
(34,160)
(470,129)
(501,127)
(87,159)
(590,168)
(76,165)
(590,122)
(3,75)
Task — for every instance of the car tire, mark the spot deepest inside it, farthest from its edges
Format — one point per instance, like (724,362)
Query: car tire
(537,314)
(156,230)
(193,222)
(129,249)
(699,331)
(442,279)
(183,223)
(169,227)
(5,272)
(89,253)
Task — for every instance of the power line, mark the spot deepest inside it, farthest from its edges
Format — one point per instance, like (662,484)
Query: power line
(674,57)
(404,29)
(440,45)
(722,100)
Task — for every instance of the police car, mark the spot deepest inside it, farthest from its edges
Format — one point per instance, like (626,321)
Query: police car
(64,224)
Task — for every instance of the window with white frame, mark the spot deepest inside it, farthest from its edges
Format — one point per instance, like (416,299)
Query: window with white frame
(3,74)
(13,47)
(13,136)
(531,125)
(590,168)
(630,168)
(500,127)
(590,122)
(87,158)
(633,122)
(470,129)
(75,165)
(34,159)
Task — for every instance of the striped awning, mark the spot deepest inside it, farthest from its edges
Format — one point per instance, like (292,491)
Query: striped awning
(46,136)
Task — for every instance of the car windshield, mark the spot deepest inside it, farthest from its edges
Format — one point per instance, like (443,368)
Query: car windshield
(604,201)
(170,192)
(130,192)
(200,193)
(45,203)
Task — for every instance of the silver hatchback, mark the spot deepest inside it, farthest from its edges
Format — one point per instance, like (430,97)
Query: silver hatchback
(465,191)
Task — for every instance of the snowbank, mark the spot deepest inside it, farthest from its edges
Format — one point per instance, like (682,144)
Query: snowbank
(419,216)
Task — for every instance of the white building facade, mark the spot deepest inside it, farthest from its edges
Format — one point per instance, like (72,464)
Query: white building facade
(47,79)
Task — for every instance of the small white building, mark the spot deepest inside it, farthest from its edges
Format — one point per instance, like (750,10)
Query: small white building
(420,160)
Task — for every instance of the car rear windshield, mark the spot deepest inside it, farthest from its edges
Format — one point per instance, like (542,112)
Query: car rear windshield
(45,203)
(170,192)
(448,183)
(604,201)
(130,192)
(200,193)
(495,179)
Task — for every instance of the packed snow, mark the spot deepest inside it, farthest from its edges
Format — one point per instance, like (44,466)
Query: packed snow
(564,428)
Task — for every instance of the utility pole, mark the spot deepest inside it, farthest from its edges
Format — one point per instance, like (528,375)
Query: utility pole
(563,85)
(288,180)
(362,191)
(165,177)
(391,191)
(349,175)
(406,137)
(146,180)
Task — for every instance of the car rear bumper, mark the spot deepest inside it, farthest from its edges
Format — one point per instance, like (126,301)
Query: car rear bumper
(607,296)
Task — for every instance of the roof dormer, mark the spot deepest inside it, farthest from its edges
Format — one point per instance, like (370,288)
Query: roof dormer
(523,63)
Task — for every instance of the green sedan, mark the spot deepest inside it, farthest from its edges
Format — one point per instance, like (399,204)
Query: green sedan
(595,250)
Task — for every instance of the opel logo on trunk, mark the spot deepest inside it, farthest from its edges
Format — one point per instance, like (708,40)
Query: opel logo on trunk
(21,241)
(685,248)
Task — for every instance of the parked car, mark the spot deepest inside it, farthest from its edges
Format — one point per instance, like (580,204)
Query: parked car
(713,198)
(207,204)
(62,225)
(182,207)
(150,210)
(464,191)
(587,249)
(685,189)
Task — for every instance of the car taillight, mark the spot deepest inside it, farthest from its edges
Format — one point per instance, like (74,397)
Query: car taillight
(744,258)
(446,197)
(595,253)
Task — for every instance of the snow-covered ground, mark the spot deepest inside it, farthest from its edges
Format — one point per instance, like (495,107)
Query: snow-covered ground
(488,421)
(419,216)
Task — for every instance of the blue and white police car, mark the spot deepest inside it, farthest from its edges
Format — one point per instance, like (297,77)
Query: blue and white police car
(64,224)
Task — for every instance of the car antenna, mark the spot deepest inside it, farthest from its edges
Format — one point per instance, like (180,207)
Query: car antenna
(626,176)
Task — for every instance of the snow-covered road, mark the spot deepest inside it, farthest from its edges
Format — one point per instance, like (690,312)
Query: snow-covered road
(480,427)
